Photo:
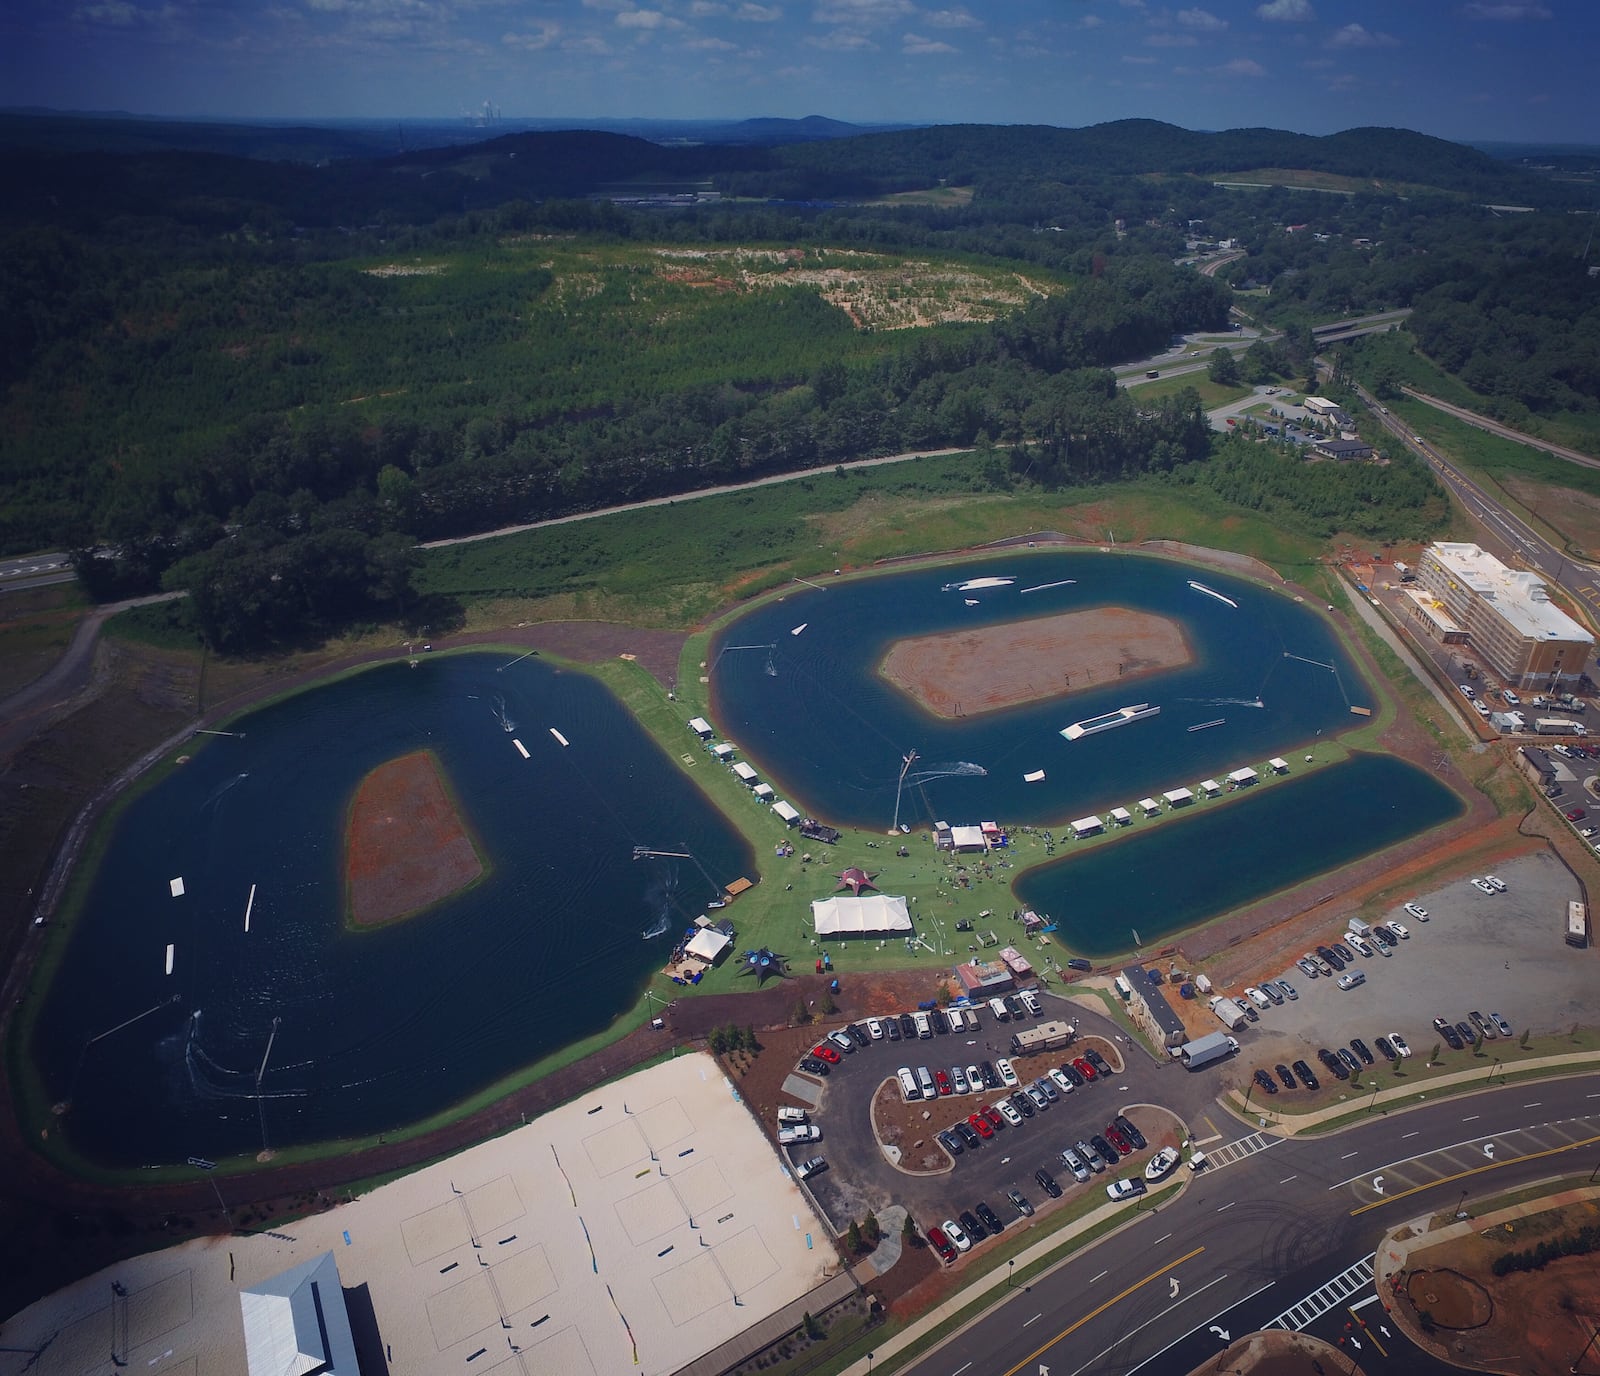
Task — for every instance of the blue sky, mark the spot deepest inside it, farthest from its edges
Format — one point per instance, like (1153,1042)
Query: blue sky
(1501,69)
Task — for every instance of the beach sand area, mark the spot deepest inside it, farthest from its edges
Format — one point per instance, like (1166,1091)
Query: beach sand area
(407,845)
(636,1214)
(989,668)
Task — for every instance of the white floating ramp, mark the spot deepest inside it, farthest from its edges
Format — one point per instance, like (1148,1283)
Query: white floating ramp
(176,885)
(249,906)
(1109,721)
(521,748)
(1212,592)
(170,951)
(560,739)
(1036,776)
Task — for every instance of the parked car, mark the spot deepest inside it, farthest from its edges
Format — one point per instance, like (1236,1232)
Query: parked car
(942,1079)
(891,1028)
(1358,945)
(1362,1050)
(1447,1029)
(1483,884)
(875,1029)
(1575,814)
(1421,914)
(1467,1034)
(1399,929)
(1285,1075)
(940,1020)
(1119,1190)
(1333,1064)
(991,1076)
(1483,1025)
(1386,1048)
(1344,953)
(1019,1202)
(996,1120)
(1072,1074)
(1008,1111)
(1288,990)
(1104,1150)
(1114,1135)
(1098,1061)
(981,1125)
(1257,997)
(1084,1068)
(1040,1099)
(991,1220)
(1308,966)
(951,1143)
(841,1039)
(1501,1025)
(957,1235)
(908,1027)
(973,1226)
(1131,1133)
(1047,1183)
(1347,1058)
(1309,1080)
(1401,1047)
(958,1078)
(1007,1075)
(826,1051)
(1266,1082)
(1330,958)
(1024,1103)
(858,1034)
(815,1166)
(942,1245)
(1075,1163)
(1061,1082)
(814,1065)
(1352,979)
(1048,1085)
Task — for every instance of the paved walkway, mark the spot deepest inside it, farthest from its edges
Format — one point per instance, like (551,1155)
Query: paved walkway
(1293,1124)
(996,1284)
(1393,1258)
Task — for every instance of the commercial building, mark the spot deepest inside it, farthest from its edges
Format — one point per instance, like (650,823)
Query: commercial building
(1509,620)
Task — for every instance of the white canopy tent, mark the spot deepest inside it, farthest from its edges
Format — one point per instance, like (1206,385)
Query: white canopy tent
(1177,797)
(872,914)
(723,751)
(1087,826)
(1243,776)
(1210,787)
(968,838)
(745,773)
(1149,806)
(1278,765)
(708,944)
(1121,816)
(702,728)
(789,814)
(763,792)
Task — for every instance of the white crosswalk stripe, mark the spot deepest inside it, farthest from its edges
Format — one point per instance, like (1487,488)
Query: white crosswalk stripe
(1230,1152)
(1325,1297)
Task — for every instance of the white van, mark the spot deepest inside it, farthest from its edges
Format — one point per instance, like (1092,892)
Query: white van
(789,1114)
(958,1023)
(997,1006)
(925,1083)
(908,1084)
(924,1026)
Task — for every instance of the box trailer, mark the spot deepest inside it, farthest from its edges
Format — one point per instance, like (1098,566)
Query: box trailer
(1047,1036)
(1229,1013)
(1558,726)
(1214,1046)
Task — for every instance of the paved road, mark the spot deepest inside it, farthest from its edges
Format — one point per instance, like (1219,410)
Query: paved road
(35,570)
(1525,545)
(1254,1238)
(1505,432)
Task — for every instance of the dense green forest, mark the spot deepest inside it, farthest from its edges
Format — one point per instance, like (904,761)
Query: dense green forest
(265,381)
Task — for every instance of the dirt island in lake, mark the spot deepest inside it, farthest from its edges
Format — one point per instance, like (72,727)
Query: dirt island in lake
(986,669)
(407,845)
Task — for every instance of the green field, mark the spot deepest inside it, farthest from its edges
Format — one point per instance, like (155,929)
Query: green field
(1212,395)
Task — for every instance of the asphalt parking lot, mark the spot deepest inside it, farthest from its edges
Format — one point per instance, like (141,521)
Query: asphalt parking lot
(1504,953)
(859,1177)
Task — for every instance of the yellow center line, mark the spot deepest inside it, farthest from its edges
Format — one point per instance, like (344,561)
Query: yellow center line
(1476,1170)
(1094,1314)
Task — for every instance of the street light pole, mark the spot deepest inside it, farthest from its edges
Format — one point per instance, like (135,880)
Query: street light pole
(1461,1211)
(1374,1098)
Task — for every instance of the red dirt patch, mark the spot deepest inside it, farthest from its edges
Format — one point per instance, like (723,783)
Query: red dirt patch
(965,673)
(406,845)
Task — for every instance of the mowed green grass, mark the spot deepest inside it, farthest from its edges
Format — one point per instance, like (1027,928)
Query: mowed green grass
(1212,395)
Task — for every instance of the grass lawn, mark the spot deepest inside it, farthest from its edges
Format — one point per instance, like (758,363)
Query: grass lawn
(1212,395)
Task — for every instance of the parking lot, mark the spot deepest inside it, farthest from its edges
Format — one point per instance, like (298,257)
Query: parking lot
(860,1178)
(1503,953)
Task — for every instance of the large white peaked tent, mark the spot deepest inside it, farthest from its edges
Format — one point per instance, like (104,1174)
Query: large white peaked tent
(295,1324)
(871,914)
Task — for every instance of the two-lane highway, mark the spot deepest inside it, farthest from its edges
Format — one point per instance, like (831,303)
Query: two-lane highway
(1246,1241)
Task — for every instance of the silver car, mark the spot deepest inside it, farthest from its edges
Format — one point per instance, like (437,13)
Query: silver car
(1074,1163)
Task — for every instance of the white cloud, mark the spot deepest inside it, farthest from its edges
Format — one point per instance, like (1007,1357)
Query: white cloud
(916,44)
(710,45)
(1480,10)
(758,14)
(1241,66)
(842,41)
(1171,40)
(114,12)
(586,43)
(862,11)
(1356,36)
(647,19)
(957,18)
(1286,11)
(1138,60)
(1090,21)
(1202,21)
(531,42)
(707,9)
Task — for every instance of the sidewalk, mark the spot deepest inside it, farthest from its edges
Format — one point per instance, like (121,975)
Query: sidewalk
(1292,1124)
(1393,1259)
(997,1284)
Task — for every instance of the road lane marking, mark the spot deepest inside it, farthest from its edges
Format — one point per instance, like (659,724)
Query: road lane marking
(1286,1179)
(1099,1277)
(1161,1239)
(1093,1314)
(1228,1205)
(1438,1151)
(1476,1170)
(1473,1118)
(1347,1156)
(1152,1319)
(1537,1104)
(960,1369)
(1036,1316)
(1245,1299)
(1410,1134)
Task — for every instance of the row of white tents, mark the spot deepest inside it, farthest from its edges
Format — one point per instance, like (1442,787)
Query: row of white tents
(1174,798)
(725,751)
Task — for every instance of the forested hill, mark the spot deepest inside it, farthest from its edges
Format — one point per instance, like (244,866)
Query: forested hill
(218,190)
(975,154)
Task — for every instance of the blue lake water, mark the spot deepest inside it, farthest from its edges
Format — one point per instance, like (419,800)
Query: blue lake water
(815,718)
(376,1028)
(1218,857)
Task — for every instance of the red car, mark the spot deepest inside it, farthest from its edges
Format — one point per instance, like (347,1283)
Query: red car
(1232,421)
(996,1119)
(1118,1139)
(1083,1068)
(1576,814)
(981,1125)
(943,1081)
(826,1053)
(942,1245)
